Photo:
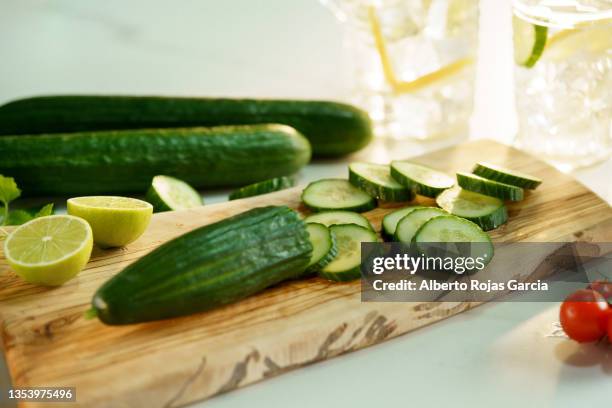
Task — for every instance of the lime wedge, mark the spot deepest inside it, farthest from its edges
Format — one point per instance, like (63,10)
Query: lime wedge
(433,78)
(594,38)
(169,194)
(115,221)
(529,42)
(49,250)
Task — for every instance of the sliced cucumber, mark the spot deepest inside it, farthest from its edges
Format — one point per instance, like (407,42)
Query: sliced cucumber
(329,218)
(169,194)
(324,248)
(336,194)
(409,225)
(488,212)
(529,41)
(424,180)
(492,188)
(389,222)
(263,187)
(376,180)
(346,264)
(452,229)
(503,175)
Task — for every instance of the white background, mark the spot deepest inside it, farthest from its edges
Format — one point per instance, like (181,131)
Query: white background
(497,355)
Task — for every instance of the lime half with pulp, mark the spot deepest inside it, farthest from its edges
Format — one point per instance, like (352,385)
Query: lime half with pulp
(49,250)
(115,221)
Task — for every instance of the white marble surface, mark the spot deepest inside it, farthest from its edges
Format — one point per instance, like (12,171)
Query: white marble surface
(497,355)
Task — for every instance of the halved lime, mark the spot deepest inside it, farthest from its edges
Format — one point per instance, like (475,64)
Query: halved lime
(529,41)
(169,194)
(115,221)
(49,250)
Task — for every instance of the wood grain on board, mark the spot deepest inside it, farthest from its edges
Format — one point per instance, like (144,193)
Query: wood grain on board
(174,362)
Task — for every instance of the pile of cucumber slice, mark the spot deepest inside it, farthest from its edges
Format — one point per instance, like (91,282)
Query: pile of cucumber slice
(324,248)
(346,265)
(488,212)
(467,207)
(337,257)
(329,218)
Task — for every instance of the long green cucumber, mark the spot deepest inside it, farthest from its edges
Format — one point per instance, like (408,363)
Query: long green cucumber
(333,129)
(211,266)
(126,161)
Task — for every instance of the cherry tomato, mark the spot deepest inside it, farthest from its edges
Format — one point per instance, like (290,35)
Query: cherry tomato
(603,287)
(585,315)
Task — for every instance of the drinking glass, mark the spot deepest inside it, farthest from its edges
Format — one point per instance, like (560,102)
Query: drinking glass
(414,63)
(563,77)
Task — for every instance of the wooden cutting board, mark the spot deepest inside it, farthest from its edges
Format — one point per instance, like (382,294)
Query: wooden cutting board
(172,363)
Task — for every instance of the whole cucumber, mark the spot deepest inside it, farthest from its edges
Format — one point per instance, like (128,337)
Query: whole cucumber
(209,267)
(126,161)
(333,129)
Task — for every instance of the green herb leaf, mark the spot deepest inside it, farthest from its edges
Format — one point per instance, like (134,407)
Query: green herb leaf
(8,189)
(18,217)
(8,192)
(21,216)
(46,209)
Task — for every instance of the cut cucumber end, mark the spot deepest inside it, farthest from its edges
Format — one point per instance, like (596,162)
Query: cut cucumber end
(346,265)
(90,314)
(336,194)
(492,188)
(169,194)
(376,180)
(488,212)
(422,179)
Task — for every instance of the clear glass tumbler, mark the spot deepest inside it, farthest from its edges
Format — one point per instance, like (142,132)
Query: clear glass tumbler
(563,77)
(414,63)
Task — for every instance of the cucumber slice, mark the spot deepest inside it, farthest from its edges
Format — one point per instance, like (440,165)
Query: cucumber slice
(336,194)
(424,180)
(503,175)
(452,229)
(488,212)
(346,264)
(389,222)
(488,187)
(529,41)
(376,180)
(263,187)
(329,218)
(409,225)
(169,194)
(324,247)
